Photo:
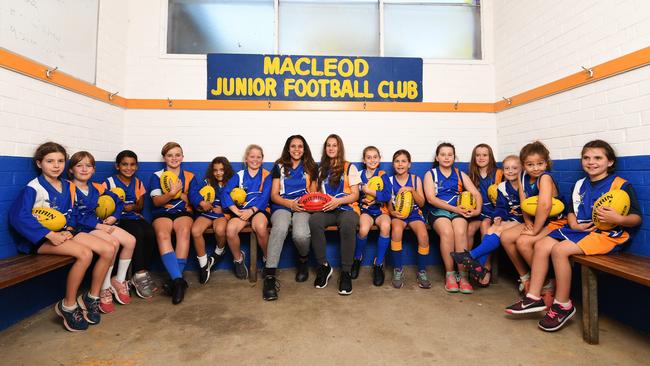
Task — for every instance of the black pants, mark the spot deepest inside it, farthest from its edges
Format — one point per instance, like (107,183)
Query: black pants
(347,222)
(145,243)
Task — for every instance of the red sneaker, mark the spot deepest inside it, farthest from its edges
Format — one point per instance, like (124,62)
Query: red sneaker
(106,305)
(451,284)
(465,286)
(121,291)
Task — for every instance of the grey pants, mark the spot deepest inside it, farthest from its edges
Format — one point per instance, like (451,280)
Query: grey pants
(281,220)
(347,222)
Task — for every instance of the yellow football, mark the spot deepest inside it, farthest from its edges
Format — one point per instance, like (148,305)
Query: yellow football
(238,196)
(492,193)
(208,193)
(404,203)
(167,179)
(529,206)
(376,184)
(466,199)
(105,206)
(119,192)
(617,199)
(50,218)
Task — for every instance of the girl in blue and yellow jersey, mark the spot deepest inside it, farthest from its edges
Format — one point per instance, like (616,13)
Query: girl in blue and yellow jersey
(218,173)
(340,180)
(294,175)
(131,220)
(374,210)
(255,181)
(483,172)
(507,214)
(174,214)
(81,170)
(49,190)
(518,241)
(403,181)
(442,186)
(579,236)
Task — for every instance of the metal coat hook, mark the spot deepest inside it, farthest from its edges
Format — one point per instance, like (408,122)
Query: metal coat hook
(111,95)
(169,102)
(49,72)
(589,71)
(508,100)
(456,106)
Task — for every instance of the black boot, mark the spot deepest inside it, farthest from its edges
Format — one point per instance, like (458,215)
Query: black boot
(178,290)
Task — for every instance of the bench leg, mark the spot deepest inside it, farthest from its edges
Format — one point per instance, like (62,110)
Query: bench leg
(252,275)
(494,258)
(589,305)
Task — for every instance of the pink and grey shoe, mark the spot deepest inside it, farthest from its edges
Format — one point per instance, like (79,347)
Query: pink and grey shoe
(106,305)
(464,286)
(121,291)
(451,282)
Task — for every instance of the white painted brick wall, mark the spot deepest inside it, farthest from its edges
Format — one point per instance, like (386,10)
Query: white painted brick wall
(32,112)
(615,113)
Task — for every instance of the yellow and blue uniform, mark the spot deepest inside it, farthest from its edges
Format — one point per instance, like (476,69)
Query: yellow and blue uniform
(40,193)
(258,189)
(488,209)
(342,189)
(293,184)
(216,203)
(416,212)
(508,207)
(378,207)
(176,205)
(133,192)
(447,189)
(585,194)
(531,188)
(86,203)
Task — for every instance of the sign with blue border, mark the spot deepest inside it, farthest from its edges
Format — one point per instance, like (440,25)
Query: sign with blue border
(314,78)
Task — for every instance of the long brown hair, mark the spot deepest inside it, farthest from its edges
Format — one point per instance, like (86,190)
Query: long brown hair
(607,149)
(475,171)
(228,172)
(308,162)
(336,165)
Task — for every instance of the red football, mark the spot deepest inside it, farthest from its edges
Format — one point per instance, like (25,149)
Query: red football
(314,201)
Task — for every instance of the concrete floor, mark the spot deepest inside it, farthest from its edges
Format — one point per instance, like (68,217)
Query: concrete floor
(226,321)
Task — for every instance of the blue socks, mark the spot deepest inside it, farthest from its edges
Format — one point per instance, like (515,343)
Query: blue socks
(397,258)
(422,264)
(361,246)
(490,243)
(382,246)
(181,264)
(172,265)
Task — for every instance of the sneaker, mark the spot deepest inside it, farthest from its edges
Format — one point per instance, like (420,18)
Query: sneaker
(526,305)
(378,276)
(121,291)
(144,285)
(179,285)
(323,275)
(106,305)
(462,258)
(548,293)
(356,266)
(345,283)
(302,271)
(204,272)
(240,269)
(556,318)
(216,258)
(72,320)
(90,308)
(270,288)
(451,283)
(423,280)
(464,286)
(397,281)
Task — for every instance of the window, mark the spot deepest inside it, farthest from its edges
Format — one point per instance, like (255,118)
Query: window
(431,29)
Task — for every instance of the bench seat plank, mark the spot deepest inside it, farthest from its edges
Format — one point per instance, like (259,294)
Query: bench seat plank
(20,268)
(629,266)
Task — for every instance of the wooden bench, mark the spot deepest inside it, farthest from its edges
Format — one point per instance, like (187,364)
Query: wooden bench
(629,266)
(22,267)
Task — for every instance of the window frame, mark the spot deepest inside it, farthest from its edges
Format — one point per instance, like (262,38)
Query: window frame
(484,60)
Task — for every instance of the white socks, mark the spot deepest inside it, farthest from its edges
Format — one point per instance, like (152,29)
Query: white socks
(107,279)
(203,260)
(122,267)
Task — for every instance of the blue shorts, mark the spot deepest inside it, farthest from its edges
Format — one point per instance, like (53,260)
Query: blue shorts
(591,242)
(414,216)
